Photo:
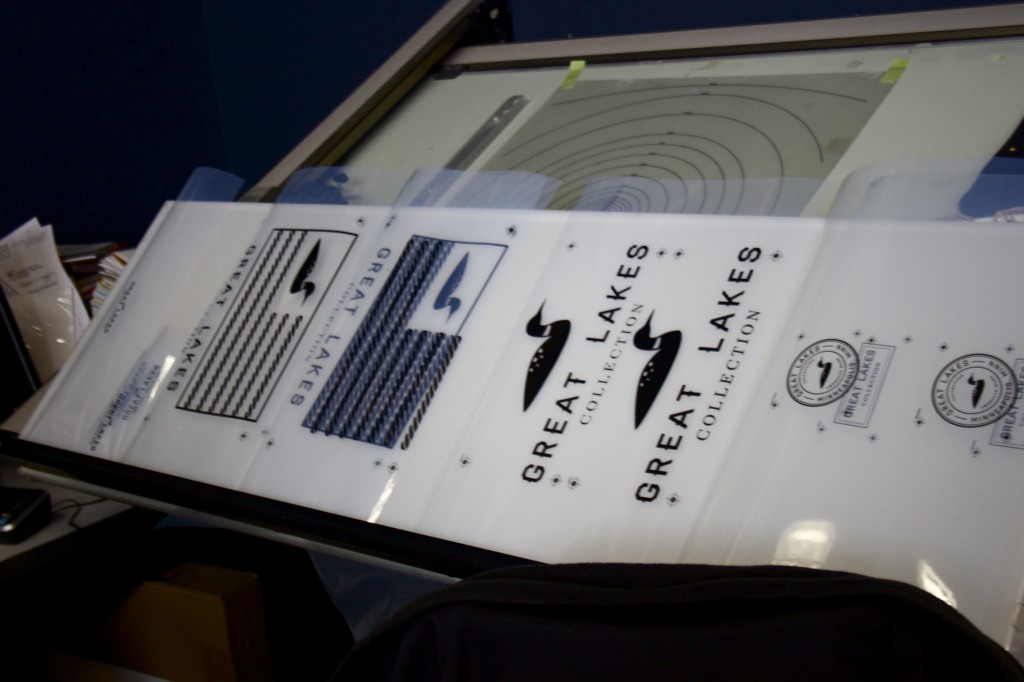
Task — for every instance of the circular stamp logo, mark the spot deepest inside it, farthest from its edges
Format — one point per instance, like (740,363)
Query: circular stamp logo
(975,390)
(822,373)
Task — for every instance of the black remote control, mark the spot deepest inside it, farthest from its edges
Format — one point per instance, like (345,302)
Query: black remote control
(23,511)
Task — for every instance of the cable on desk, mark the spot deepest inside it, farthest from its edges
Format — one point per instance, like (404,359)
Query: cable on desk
(65,505)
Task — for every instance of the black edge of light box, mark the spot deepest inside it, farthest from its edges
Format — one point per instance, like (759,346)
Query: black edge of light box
(428,553)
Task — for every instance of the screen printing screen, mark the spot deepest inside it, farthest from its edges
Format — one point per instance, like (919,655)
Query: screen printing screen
(765,134)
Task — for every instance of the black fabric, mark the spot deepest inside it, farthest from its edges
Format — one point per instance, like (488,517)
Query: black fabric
(677,622)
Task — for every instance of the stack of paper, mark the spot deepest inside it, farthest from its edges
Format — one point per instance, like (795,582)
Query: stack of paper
(110,268)
(49,311)
(82,263)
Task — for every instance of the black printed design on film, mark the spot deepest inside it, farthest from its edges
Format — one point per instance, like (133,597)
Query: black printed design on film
(301,281)
(728,145)
(666,348)
(974,390)
(445,298)
(232,372)
(543,361)
(822,373)
(386,378)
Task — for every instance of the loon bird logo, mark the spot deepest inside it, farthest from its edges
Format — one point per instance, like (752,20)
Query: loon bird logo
(826,370)
(975,390)
(543,360)
(301,283)
(979,390)
(666,347)
(444,297)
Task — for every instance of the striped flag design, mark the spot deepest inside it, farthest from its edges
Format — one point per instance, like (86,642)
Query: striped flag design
(387,375)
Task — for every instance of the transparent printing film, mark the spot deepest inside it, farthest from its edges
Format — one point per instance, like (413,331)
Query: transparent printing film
(577,386)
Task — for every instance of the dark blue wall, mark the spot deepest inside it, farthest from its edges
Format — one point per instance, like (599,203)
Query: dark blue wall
(108,105)
(556,19)
(279,68)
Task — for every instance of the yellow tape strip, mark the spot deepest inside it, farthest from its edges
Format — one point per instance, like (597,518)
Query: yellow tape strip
(575,69)
(896,69)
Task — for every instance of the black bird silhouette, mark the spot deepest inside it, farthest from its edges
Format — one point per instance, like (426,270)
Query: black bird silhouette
(979,389)
(826,369)
(657,368)
(300,283)
(543,360)
(445,299)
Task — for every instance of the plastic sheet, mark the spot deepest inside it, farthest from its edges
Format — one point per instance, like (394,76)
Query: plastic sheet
(886,437)
(782,196)
(210,184)
(172,260)
(224,352)
(746,133)
(49,311)
(48,323)
(627,373)
(367,594)
(970,188)
(486,189)
(585,386)
(341,186)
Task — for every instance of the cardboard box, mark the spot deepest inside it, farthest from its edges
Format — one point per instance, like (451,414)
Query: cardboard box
(198,622)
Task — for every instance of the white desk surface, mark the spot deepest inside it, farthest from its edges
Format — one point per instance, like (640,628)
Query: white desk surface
(60,524)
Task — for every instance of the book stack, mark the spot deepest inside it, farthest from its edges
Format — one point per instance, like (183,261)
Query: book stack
(82,263)
(110,268)
(93,268)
